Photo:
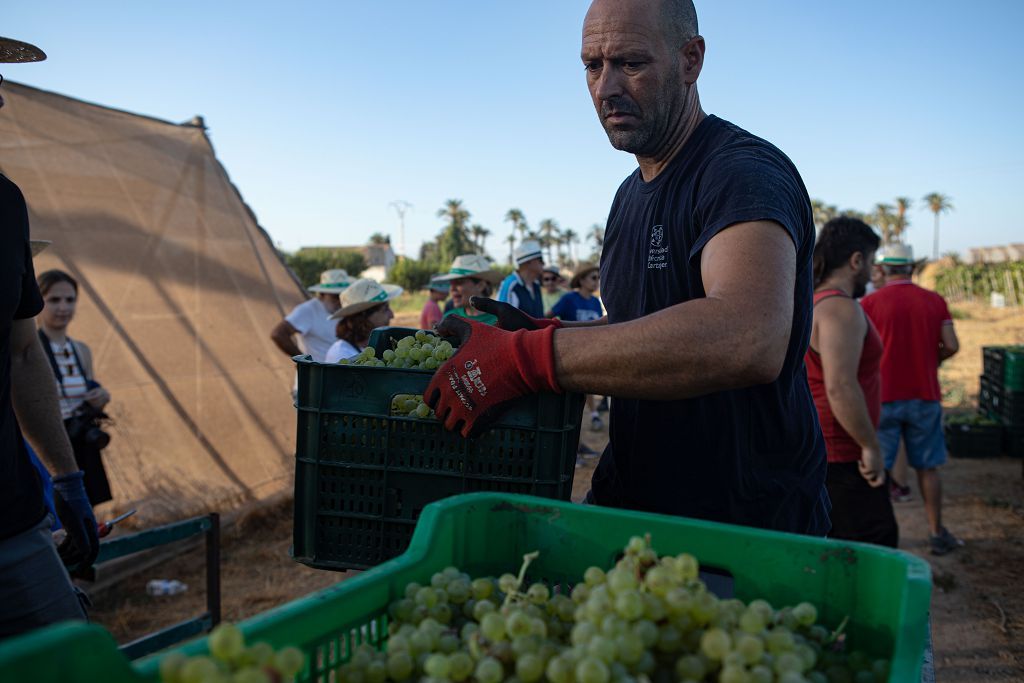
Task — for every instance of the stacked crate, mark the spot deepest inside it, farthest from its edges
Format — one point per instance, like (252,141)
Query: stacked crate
(1001,393)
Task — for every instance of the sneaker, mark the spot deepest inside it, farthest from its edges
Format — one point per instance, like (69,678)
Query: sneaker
(899,493)
(596,423)
(602,407)
(585,450)
(944,542)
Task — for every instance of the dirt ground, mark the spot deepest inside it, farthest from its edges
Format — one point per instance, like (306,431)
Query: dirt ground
(978,598)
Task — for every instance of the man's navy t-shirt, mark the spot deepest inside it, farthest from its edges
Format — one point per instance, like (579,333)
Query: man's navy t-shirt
(751,456)
(21,493)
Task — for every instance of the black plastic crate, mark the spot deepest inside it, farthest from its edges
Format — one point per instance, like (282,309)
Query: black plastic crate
(992,362)
(1005,366)
(967,440)
(362,477)
(1000,403)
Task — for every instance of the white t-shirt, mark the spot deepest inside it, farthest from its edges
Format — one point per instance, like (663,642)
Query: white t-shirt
(340,349)
(310,319)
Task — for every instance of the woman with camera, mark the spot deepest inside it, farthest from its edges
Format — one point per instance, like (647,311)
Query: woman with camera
(81,397)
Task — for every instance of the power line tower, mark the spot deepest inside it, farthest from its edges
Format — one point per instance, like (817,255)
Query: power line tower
(401,206)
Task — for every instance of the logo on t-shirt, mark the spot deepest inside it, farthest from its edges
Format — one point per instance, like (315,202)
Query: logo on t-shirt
(657,257)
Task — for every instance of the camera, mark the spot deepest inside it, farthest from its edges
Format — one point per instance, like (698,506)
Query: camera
(84,428)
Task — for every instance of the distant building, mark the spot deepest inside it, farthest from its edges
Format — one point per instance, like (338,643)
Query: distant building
(999,254)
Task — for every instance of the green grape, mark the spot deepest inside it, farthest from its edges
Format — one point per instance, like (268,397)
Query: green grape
(170,667)
(658,580)
(678,601)
(669,639)
(489,670)
(376,672)
(621,580)
(761,674)
(468,629)
(482,588)
(629,647)
(647,631)
(198,670)
(818,633)
(448,643)
(580,593)
(690,667)
(508,583)
(591,670)
(529,668)
(483,608)
(752,621)
(369,352)
(749,647)
(492,627)
(654,607)
(460,666)
(788,661)
(518,624)
(420,642)
(426,596)
(538,594)
(559,670)
(582,633)
(400,665)
(436,666)
(411,589)
(779,640)
(687,566)
(441,613)
(226,642)
(794,677)
(733,674)
(704,609)
(388,355)
(763,608)
(636,545)
(603,648)
(430,363)
(459,589)
(715,643)
(807,655)
(630,605)
(593,576)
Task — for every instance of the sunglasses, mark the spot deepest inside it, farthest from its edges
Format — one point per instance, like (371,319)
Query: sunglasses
(549,279)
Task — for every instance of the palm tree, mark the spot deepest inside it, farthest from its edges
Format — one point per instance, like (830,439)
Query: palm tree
(479,234)
(549,235)
(380,238)
(884,220)
(454,239)
(822,213)
(937,203)
(518,220)
(570,237)
(511,239)
(902,204)
(597,236)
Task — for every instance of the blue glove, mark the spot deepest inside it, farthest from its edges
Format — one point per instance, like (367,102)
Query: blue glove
(82,544)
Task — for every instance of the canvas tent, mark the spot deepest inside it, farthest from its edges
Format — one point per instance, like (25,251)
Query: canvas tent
(179,290)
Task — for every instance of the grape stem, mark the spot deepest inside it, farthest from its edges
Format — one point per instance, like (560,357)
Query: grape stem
(516,595)
(838,634)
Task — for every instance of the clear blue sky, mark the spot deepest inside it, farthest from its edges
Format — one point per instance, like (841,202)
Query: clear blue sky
(324,112)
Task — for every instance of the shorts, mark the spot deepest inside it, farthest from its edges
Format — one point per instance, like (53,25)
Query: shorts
(920,425)
(859,512)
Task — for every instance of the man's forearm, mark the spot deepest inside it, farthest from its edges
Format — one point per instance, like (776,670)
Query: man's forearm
(690,349)
(850,408)
(603,320)
(34,397)
(284,341)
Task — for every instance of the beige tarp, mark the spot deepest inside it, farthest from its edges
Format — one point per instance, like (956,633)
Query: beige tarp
(179,290)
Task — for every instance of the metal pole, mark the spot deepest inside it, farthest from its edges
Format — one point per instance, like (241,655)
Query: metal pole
(213,569)
(401,206)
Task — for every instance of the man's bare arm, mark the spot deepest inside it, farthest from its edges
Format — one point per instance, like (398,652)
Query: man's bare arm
(734,337)
(603,320)
(282,337)
(841,328)
(34,396)
(950,344)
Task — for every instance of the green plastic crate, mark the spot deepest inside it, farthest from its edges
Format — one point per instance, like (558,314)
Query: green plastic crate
(362,477)
(884,592)
(1005,365)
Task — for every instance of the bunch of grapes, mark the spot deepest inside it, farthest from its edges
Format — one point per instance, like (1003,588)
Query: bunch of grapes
(411,405)
(422,351)
(648,618)
(230,661)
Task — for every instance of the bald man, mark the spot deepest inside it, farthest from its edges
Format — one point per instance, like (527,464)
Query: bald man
(706,275)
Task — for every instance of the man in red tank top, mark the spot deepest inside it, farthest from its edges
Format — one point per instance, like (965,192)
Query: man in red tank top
(843,372)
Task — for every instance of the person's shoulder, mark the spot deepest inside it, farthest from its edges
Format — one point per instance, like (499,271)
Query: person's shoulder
(838,308)
(731,148)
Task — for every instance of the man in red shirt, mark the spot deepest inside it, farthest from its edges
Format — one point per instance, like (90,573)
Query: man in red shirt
(917,333)
(843,372)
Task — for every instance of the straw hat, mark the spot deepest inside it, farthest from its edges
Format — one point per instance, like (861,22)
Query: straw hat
(527,251)
(332,282)
(474,266)
(364,294)
(39,246)
(438,285)
(14,52)
(895,255)
(581,272)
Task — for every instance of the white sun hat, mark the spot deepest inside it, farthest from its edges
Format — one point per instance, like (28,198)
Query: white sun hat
(471,265)
(527,251)
(332,282)
(895,255)
(364,294)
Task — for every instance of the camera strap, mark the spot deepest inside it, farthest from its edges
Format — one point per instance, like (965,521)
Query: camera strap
(45,341)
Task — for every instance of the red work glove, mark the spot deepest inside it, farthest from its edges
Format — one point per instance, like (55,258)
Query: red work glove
(491,368)
(511,318)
